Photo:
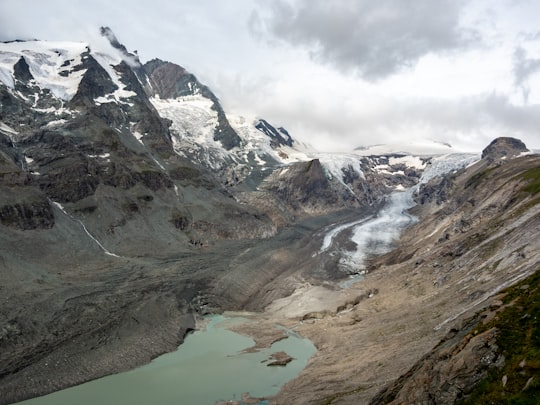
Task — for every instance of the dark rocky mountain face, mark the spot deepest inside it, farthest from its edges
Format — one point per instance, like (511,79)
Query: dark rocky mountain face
(503,148)
(70,153)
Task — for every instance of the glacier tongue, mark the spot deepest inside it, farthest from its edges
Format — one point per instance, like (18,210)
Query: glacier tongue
(447,163)
(376,235)
(192,118)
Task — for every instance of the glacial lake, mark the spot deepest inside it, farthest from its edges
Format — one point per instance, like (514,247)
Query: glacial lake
(207,368)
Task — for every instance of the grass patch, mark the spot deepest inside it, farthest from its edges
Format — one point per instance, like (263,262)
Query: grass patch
(532,177)
(527,205)
(478,178)
(336,397)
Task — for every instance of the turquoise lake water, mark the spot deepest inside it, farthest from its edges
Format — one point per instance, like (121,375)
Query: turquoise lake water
(208,367)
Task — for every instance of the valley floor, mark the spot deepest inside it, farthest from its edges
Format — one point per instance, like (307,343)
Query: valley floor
(104,314)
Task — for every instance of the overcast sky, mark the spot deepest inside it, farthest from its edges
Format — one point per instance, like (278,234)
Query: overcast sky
(336,73)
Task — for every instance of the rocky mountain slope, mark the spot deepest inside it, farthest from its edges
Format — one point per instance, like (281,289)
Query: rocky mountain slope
(486,240)
(428,310)
(130,202)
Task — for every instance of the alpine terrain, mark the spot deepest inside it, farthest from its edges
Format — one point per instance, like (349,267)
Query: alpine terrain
(132,204)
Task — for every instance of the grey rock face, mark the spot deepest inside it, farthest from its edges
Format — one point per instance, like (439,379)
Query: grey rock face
(279,136)
(21,71)
(95,82)
(502,148)
(304,182)
(170,81)
(449,372)
(34,212)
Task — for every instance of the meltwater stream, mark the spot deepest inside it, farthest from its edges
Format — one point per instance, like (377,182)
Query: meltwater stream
(209,367)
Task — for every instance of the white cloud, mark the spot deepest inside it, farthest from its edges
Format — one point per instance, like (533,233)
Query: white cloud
(333,112)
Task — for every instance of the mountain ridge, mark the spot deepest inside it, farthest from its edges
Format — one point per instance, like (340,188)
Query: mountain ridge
(131,204)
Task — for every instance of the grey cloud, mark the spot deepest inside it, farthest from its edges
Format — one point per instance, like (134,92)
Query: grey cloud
(530,36)
(489,115)
(373,38)
(524,67)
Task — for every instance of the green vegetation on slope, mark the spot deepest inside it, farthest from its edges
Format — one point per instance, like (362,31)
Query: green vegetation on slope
(532,176)
(518,324)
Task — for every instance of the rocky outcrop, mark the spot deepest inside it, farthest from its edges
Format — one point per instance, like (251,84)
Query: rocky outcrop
(298,191)
(94,83)
(303,185)
(32,212)
(21,71)
(450,371)
(278,136)
(486,358)
(504,148)
(280,359)
(169,80)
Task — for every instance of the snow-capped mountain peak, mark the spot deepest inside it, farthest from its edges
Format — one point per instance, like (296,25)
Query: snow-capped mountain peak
(60,66)
(51,64)
(279,136)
